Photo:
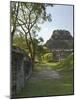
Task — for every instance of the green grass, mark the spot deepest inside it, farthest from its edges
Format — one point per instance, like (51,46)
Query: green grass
(51,87)
(41,66)
(47,88)
(66,64)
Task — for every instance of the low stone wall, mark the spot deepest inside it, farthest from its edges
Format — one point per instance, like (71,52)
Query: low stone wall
(59,55)
(21,69)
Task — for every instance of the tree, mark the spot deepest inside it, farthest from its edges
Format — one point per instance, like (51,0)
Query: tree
(39,48)
(19,41)
(29,17)
(14,14)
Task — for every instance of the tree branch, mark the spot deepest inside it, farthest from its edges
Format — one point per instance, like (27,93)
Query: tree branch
(23,23)
(27,42)
(33,23)
(14,26)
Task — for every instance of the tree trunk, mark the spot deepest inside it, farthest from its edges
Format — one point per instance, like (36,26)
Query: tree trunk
(33,62)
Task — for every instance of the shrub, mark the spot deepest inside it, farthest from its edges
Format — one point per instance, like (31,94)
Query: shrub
(48,57)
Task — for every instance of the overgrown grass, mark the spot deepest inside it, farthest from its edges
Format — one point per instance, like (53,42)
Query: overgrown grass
(47,88)
(41,66)
(66,64)
(52,87)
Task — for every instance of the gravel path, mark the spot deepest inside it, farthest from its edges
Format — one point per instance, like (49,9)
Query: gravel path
(45,74)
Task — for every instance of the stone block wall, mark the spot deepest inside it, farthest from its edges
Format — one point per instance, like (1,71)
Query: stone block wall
(21,69)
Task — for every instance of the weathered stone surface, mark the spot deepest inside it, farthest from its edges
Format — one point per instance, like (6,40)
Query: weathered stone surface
(21,69)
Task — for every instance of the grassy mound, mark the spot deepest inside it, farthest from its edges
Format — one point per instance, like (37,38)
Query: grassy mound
(67,64)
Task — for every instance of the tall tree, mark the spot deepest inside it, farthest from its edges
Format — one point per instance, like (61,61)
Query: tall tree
(14,15)
(29,17)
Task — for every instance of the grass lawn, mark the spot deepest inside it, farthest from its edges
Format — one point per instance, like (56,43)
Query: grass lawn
(48,87)
(41,66)
(51,87)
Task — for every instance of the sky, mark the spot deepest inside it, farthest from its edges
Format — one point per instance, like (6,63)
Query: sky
(62,18)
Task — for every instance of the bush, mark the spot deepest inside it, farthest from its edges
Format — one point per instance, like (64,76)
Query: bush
(48,57)
(66,64)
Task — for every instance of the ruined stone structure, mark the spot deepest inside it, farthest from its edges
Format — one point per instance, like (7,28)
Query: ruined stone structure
(60,54)
(61,44)
(21,69)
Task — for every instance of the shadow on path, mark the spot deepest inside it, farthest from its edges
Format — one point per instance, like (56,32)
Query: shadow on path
(45,74)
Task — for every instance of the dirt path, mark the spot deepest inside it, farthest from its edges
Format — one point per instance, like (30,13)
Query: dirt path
(45,74)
